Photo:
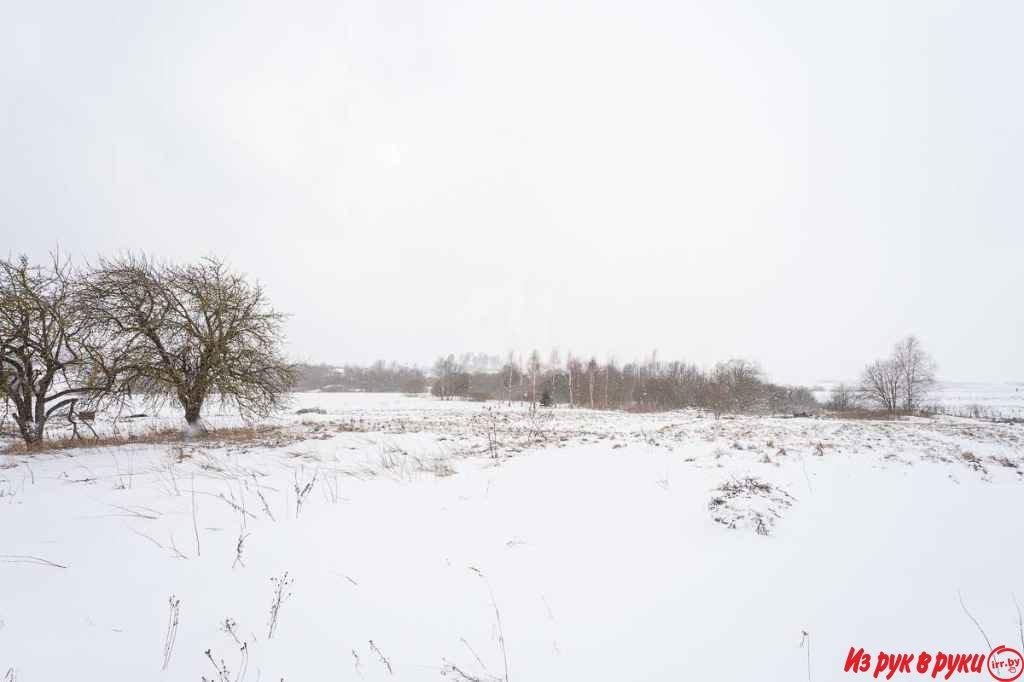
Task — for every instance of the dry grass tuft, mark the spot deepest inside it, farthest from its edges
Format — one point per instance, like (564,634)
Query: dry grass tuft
(749,501)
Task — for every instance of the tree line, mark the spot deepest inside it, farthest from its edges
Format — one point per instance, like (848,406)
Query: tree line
(77,339)
(900,383)
(734,386)
(380,377)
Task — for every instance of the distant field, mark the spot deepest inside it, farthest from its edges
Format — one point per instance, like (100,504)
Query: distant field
(977,399)
(1003,399)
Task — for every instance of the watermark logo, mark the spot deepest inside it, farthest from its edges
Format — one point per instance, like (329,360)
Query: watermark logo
(1003,663)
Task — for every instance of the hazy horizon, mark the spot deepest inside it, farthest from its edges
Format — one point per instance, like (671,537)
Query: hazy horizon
(523,357)
(801,184)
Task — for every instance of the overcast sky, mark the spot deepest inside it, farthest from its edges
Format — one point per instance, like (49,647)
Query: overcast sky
(800,183)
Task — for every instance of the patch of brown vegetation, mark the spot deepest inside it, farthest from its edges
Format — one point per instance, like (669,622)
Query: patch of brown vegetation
(865,414)
(264,435)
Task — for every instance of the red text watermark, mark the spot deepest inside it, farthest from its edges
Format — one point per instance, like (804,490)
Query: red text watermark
(1003,663)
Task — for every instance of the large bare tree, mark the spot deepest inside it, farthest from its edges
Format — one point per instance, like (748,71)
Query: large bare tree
(192,332)
(901,381)
(881,383)
(740,382)
(917,372)
(52,358)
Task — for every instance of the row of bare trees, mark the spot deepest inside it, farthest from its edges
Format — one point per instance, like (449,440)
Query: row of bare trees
(735,386)
(77,339)
(380,377)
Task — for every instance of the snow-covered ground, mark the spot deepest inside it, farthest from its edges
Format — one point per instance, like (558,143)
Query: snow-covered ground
(1006,399)
(417,539)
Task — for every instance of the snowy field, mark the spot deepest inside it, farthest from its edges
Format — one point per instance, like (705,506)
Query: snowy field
(1005,399)
(965,398)
(415,539)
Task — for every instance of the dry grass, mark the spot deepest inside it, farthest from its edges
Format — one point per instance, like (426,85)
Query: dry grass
(242,435)
(865,414)
(749,501)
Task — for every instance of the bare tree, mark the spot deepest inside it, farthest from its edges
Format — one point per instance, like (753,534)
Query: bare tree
(442,368)
(740,383)
(901,381)
(451,379)
(51,356)
(193,331)
(573,368)
(609,367)
(510,366)
(917,372)
(571,365)
(843,397)
(534,368)
(881,383)
(555,358)
(591,376)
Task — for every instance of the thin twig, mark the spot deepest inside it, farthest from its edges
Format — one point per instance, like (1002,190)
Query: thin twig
(475,655)
(263,500)
(281,595)
(497,617)
(973,619)
(230,626)
(239,548)
(359,667)
(448,667)
(238,508)
(26,559)
(143,535)
(243,666)
(1020,621)
(382,657)
(152,515)
(223,674)
(195,522)
(174,548)
(806,639)
(172,629)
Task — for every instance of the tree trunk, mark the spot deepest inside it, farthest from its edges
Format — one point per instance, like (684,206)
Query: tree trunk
(193,419)
(31,431)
